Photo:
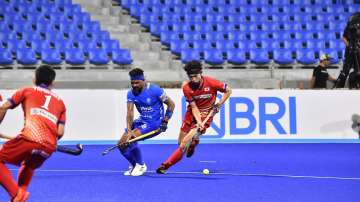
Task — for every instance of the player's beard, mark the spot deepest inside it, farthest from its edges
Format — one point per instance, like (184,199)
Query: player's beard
(137,90)
(194,85)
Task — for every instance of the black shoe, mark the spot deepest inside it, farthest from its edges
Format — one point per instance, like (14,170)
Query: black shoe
(161,170)
(191,149)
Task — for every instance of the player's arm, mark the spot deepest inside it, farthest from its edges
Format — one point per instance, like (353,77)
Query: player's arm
(129,115)
(222,87)
(331,78)
(170,106)
(196,113)
(312,82)
(61,131)
(313,78)
(3,109)
(346,41)
(225,96)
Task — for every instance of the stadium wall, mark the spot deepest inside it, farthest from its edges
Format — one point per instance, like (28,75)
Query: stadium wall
(98,116)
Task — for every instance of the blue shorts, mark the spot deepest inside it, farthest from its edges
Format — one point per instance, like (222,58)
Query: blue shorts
(146,127)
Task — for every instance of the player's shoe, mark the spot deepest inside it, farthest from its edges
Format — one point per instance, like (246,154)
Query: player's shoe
(21,196)
(139,170)
(192,146)
(128,172)
(162,169)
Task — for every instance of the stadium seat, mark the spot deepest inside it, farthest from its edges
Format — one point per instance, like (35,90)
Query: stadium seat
(189,55)
(283,56)
(5,57)
(51,56)
(306,56)
(110,45)
(75,56)
(236,56)
(26,57)
(259,56)
(122,57)
(98,56)
(214,57)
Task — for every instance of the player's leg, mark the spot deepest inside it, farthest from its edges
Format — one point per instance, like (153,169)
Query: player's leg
(196,139)
(13,152)
(34,160)
(7,181)
(126,153)
(175,157)
(145,128)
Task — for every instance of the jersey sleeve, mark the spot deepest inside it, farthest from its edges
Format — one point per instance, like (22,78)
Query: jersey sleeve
(62,119)
(346,33)
(130,96)
(315,72)
(189,98)
(218,85)
(17,97)
(159,92)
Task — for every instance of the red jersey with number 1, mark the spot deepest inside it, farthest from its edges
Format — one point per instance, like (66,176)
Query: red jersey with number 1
(43,111)
(205,96)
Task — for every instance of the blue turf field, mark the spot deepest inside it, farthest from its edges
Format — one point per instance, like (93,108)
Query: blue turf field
(238,172)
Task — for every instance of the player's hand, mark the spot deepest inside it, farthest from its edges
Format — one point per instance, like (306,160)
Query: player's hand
(200,126)
(163,126)
(216,108)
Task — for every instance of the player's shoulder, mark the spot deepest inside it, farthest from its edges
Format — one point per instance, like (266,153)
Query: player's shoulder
(185,85)
(152,86)
(26,88)
(129,93)
(211,80)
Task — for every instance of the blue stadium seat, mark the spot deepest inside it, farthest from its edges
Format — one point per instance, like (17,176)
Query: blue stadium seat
(5,57)
(98,57)
(110,45)
(337,45)
(306,56)
(283,56)
(236,56)
(200,45)
(259,56)
(26,57)
(214,57)
(121,56)
(85,46)
(51,56)
(189,55)
(74,56)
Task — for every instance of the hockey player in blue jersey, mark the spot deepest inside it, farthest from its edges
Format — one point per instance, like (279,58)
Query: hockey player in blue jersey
(148,99)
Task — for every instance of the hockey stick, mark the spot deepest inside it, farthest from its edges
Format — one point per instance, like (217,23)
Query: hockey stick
(130,141)
(72,151)
(195,133)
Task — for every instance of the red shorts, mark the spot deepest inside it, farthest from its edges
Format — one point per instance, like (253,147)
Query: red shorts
(20,150)
(189,122)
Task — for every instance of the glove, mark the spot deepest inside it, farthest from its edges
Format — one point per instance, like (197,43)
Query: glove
(163,126)
(216,108)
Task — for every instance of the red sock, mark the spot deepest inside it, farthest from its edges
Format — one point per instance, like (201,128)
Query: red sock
(25,175)
(7,181)
(175,157)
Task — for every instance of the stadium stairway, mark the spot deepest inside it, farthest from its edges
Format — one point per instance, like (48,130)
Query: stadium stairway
(147,54)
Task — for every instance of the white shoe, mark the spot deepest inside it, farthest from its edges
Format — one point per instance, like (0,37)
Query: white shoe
(139,170)
(128,172)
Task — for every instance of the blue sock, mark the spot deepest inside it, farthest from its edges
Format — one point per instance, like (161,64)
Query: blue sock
(136,153)
(127,154)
